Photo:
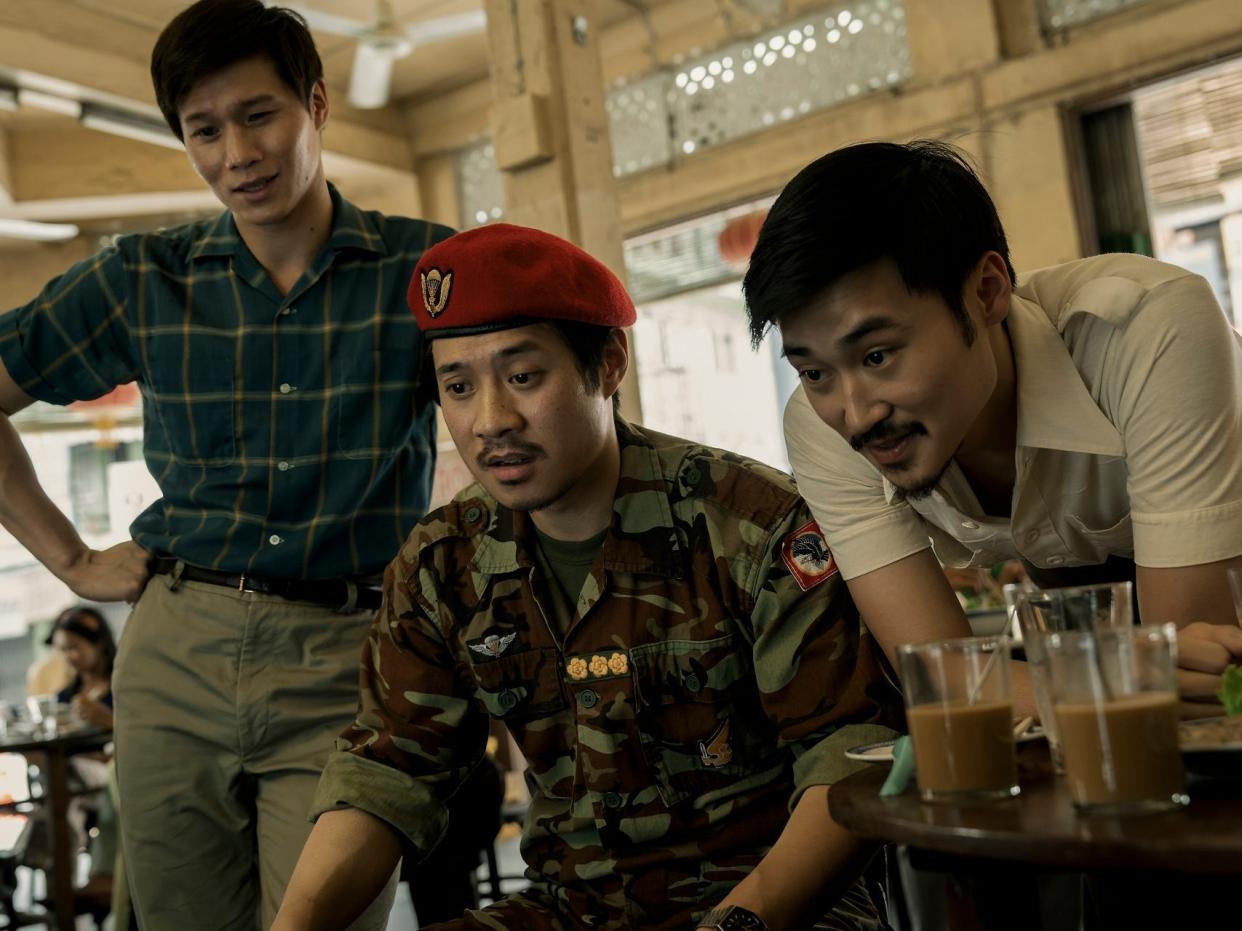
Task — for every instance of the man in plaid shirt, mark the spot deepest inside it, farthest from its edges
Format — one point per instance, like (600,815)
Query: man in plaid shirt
(277,364)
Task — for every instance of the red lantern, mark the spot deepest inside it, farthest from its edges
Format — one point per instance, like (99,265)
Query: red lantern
(738,238)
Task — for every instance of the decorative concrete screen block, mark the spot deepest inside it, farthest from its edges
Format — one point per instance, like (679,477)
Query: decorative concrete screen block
(1062,14)
(639,116)
(816,61)
(842,52)
(480,195)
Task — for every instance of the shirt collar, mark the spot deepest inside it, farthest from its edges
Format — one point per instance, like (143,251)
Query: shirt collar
(351,229)
(641,540)
(1055,409)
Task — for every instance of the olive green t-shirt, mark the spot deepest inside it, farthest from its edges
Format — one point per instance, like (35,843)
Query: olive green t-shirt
(566,565)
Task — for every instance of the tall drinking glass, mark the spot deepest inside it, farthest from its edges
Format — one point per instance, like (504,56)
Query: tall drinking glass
(959,706)
(1235,586)
(1115,699)
(1045,611)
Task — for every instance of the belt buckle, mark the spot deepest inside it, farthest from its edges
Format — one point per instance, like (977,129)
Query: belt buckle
(242,586)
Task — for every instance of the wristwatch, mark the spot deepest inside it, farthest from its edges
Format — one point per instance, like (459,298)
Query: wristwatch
(732,918)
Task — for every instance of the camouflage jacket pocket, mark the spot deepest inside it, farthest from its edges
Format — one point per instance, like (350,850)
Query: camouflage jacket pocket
(700,723)
(521,686)
(524,691)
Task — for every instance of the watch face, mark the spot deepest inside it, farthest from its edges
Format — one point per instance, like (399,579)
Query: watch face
(740,919)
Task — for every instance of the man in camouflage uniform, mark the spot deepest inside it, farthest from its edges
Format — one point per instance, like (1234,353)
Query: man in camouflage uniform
(658,623)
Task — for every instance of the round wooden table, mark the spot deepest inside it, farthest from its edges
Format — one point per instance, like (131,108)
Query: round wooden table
(1139,864)
(55,752)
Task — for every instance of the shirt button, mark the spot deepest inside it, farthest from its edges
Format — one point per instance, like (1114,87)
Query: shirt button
(286,388)
(970,525)
(588,699)
(1055,560)
(275,539)
(693,684)
(283,466)
(288,310)
(612,800)
(473,514)
(507,700)
(1032,536)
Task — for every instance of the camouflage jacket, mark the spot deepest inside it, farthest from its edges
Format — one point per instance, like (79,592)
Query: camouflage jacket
(714,657)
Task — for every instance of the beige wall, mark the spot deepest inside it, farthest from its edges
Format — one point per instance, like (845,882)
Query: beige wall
(26,267)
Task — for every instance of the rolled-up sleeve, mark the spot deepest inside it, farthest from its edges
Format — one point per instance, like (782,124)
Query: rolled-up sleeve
(817,672)
(72,342)
(418,732)
(1175,387)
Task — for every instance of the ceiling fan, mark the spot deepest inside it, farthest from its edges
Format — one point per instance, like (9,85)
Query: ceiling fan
(382,42)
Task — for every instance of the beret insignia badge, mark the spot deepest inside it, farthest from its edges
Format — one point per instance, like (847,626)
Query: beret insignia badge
(436,287)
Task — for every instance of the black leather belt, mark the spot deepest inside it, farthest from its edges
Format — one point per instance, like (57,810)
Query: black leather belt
(342,594)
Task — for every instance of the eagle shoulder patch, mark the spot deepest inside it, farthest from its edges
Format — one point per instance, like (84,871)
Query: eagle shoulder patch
(807,556)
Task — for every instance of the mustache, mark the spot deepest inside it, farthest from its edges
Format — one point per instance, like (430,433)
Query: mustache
(507,448)
(886,430)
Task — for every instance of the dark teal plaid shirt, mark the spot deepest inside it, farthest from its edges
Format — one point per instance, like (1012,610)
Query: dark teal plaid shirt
(282,429)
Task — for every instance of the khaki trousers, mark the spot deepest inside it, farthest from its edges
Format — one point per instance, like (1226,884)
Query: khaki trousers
(227,704)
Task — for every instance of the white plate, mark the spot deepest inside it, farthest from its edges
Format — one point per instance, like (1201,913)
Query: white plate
(882,750)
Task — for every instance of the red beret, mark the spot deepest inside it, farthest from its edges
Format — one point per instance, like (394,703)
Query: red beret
(500,276)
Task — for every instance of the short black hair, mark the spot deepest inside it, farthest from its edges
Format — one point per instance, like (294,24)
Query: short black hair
(920,204)
(90,625)
(587,341)
(213,34)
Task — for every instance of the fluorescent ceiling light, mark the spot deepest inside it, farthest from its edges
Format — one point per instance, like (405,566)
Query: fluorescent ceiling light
(50,102)
(131,127)
(38,232)
(8,98)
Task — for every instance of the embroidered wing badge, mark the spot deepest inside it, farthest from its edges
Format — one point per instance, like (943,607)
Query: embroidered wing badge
(717,751)
(436,288)
(807,556)
(493,645)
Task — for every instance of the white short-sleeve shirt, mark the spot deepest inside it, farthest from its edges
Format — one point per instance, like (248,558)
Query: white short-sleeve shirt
(1129,438)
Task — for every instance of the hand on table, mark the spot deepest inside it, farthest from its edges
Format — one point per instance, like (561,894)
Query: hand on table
(1203,652)
(118,573)
(92,711)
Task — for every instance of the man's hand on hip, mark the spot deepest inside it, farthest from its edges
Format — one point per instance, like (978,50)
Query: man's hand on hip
(118,573)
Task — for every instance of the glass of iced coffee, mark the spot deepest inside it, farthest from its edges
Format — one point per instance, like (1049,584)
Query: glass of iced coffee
(1235,586)
(1044,611)
(1114,695)
(959,707)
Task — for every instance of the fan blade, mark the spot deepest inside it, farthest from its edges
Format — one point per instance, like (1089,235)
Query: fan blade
(326,22)
(371,77)
(446,27)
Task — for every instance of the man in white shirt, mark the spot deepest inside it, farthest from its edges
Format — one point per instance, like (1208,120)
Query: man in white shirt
(1088,421)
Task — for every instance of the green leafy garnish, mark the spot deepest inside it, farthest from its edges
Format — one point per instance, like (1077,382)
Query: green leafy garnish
(1230,693)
